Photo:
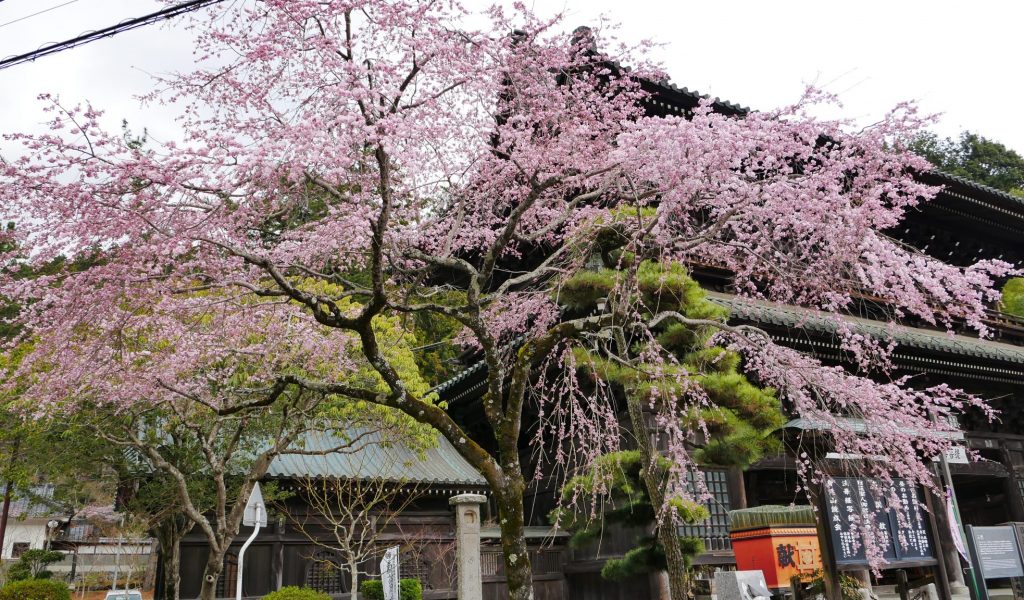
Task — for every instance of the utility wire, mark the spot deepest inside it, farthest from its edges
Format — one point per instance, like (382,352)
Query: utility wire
(127,25)
(36,13)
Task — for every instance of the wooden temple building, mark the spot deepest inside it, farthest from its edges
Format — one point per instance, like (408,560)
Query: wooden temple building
(285,553)
(965,223)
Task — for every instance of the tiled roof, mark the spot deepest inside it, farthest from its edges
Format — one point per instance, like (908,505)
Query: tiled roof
(35,504)
(463,375)
(794,317)
(373,460)
(947,178)
(783,315)
(695,96)
(861,426)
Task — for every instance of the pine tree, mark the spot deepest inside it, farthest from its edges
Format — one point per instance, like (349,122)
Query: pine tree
(733,429)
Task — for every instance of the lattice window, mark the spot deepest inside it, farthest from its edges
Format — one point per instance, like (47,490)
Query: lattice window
(324,573)
(546,561)
(715,530)
(491,563)
(415,567)
(228,577)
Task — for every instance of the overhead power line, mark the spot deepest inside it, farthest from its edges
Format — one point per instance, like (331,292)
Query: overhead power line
(161,15)
(46,10)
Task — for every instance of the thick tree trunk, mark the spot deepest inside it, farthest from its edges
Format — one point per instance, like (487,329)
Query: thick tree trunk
(667,535)
(6,512)
(518,570)
(168,535)
(212,572)
(353,569)
(675,560)
(8,492)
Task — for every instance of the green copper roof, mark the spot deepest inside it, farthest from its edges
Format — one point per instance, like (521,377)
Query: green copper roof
(861,426)
(759,311)
(376,460)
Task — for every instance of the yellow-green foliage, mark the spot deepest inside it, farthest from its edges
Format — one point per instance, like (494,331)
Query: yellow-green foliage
(625,213)
(732,390)
(670,287)
(437,354)
(1013,297)
(625,502)
(742,416)
(604,369)
(712,359)
(296,593)
(584,289)
(396,343)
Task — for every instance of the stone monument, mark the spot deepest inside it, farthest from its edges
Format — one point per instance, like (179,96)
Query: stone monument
(741,585)
(467,540)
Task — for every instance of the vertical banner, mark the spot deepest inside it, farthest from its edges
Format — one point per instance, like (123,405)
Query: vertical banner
(389,575)
(954,528)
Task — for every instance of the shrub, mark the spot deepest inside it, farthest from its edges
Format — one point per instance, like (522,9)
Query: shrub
(32,564)
(19,572)
(408,589)
(35,589)
(296,593)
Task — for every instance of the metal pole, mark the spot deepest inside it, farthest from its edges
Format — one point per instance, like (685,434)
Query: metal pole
(117,555)
(241,554)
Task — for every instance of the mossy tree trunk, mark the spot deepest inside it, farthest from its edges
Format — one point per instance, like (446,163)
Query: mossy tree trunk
(653,479)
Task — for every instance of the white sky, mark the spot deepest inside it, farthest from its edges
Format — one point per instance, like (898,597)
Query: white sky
(953,58)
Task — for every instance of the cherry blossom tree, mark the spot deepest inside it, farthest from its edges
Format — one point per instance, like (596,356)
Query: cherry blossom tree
(201,415)
(346,162)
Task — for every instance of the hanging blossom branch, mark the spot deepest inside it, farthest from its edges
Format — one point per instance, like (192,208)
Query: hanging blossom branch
(346,164)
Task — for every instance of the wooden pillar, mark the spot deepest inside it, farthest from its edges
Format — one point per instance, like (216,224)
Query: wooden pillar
(1013,491)
(737,488)
(828,564)
(945,546)
(942,577)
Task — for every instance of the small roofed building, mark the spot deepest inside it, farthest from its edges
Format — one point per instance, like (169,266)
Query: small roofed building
(30,523)
(297,547)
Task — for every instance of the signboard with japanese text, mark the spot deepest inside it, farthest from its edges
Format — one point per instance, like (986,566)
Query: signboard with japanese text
(849,500)
(997,551)
(389,575)
(957,455)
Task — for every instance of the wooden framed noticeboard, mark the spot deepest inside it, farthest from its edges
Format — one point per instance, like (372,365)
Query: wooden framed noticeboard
(848,500)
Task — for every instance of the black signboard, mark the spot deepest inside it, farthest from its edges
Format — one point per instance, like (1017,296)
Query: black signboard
(997,552)
(849,501)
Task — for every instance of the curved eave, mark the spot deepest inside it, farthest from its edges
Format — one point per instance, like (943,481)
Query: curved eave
(998,200)
(390,462)
(792,317)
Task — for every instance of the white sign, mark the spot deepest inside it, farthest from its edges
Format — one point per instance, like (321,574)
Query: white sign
(389,573)
(251,516)
(957,455)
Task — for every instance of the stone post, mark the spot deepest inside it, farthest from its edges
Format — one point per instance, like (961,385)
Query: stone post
(467,542)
